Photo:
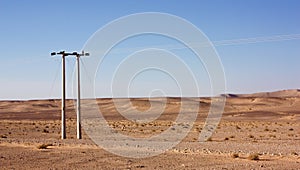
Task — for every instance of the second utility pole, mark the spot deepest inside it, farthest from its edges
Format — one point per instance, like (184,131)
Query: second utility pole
(63,100)
(78,92)
(78,98)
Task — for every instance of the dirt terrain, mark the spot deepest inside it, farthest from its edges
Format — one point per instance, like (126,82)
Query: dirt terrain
(257,131)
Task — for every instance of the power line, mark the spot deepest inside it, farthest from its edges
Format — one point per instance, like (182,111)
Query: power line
(86,70)
(54,80)
(257,40)
(70,72)
(240,41)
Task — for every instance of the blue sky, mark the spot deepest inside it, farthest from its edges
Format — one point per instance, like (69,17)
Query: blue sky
(31,29)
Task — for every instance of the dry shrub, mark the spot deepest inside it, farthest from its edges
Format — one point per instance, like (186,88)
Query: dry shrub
(45,131)
(294,153)
(251,136)
(235,155)
(3,136)
(44,146)
(253,156)
(209,139)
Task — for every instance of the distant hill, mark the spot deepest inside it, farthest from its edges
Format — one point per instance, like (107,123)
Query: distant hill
(281,93)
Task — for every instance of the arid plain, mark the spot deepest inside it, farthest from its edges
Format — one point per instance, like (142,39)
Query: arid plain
(257,131)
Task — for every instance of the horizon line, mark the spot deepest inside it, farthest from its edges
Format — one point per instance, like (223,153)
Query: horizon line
(140,97)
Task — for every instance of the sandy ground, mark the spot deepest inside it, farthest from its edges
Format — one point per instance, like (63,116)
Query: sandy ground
(265,124)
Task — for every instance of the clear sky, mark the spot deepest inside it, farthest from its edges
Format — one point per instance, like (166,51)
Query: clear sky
(30,30)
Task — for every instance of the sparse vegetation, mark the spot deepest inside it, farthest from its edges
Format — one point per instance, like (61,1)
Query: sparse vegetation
(254,157)
(46,131)
(209,139)
(251,136)
(43,146)
(3,136)
(235,155)
(231,146)
(294,153)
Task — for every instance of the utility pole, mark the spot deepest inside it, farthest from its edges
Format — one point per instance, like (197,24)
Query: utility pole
(63,97)
(78,123)
(78,93)
(63,100)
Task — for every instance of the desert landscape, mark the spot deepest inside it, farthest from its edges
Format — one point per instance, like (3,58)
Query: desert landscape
(257,131)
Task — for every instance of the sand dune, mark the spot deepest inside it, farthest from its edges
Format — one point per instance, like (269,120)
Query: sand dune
(263,123)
